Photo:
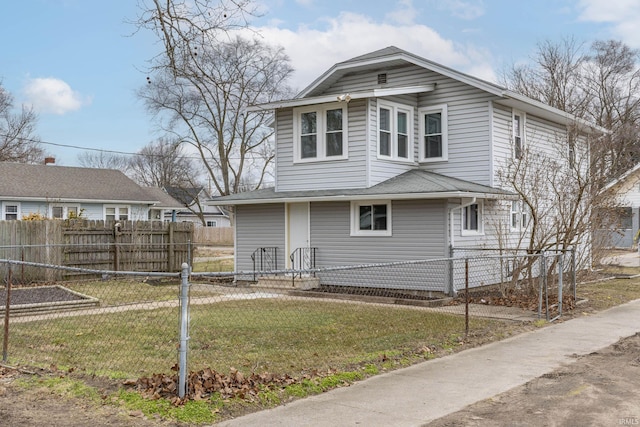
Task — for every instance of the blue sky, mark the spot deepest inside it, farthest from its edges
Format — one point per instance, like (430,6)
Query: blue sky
(78,63)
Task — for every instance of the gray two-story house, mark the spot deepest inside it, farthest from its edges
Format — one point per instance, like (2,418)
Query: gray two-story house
(391,157)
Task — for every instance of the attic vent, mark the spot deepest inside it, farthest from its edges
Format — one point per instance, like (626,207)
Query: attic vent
(382,78)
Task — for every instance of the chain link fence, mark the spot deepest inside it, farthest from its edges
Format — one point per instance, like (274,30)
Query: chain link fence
(128,324)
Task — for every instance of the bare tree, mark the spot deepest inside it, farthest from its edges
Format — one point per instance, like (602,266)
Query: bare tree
(104,160)
(18,141)
(201,85)
(554,76)
(612,77)
(555,187)
(162,163)
(601,84)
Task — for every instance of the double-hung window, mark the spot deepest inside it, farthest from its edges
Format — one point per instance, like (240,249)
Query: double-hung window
(472,219)
(10,211)
(518,134)
(395,131)
(519,218)
(371,218)
(320,132)
(433,133)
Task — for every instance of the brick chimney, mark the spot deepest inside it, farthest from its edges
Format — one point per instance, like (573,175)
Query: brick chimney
(49,160)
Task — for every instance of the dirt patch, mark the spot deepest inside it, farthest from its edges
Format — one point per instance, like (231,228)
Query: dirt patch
(38,406)
(600,388)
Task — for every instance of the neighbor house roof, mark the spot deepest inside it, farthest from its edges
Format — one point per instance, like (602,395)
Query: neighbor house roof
(414,184)
(392,56)
(164,200)
(633,172)
(185,195)
(20,181)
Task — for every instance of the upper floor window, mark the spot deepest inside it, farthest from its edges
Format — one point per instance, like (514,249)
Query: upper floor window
(433,133)
(518,134)
(571,149)
(395,131)
(212,223)
(320,132)
(371,218)
(472,221)
(119,213)
(10,211)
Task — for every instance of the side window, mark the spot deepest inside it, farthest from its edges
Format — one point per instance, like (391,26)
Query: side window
(433,133)
(472,221)
(518,129)
(518,216)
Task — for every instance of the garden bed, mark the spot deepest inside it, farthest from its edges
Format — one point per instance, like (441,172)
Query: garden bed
(44,299)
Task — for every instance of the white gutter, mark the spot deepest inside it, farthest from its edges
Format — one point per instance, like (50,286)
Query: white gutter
(69,200)
(349,197)
(342,97)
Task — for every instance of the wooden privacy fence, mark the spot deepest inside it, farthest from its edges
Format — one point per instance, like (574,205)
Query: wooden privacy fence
(222,236)
(96,245)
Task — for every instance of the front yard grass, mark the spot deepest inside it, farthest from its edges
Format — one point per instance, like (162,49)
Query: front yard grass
(344,341)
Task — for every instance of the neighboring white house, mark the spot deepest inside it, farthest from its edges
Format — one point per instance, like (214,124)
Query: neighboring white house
(391,157)
(625,221)
(196,207)
(61,192)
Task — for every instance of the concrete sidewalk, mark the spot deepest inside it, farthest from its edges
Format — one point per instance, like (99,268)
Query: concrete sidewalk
(422,393)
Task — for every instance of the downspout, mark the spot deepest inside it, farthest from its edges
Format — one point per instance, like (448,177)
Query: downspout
(451,289)
(451,229)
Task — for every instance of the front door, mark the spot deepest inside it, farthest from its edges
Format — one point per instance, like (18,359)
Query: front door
(298,231)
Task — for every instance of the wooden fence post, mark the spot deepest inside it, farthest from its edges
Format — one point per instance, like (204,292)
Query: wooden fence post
(171,249)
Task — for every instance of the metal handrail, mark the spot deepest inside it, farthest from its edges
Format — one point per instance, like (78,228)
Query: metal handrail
(306,260)
(266,259)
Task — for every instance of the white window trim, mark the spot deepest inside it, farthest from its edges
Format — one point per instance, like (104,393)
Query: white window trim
(65,209)
(213,223)
(395,108)
(442,109)
(480,230)
(355,218)
(320,111)
(523,132)
(522,216)
(4,210)
(117,207)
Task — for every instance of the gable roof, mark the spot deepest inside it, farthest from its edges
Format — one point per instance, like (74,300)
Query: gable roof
(20,181)
(414,184)
(622,178)
(392,56)
(164,200)
(187,196)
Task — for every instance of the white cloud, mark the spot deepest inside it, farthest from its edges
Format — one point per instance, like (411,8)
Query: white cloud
(314,51)
(624,15)
(463,9)
(51,95)
(405,14)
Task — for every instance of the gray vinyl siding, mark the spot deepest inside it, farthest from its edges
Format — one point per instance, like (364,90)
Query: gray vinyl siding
(258,226)
(419,232)
(468,124)
(323,175)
